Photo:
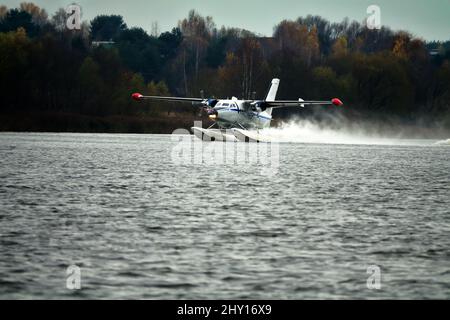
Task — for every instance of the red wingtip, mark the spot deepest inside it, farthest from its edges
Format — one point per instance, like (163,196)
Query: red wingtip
(337,102)
(137,96)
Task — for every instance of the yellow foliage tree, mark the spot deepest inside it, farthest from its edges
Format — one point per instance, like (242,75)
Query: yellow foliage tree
(299,39)
(340,47)
(401,46)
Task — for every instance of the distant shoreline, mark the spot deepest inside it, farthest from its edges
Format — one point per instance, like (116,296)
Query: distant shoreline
(77,123)
(168,123)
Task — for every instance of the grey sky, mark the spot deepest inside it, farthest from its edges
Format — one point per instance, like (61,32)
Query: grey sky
(429,19)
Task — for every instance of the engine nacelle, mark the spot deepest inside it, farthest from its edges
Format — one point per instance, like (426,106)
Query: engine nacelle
(211,102)
(258,106)
(207,103)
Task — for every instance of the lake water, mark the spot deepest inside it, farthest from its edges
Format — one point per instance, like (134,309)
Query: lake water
(142,225)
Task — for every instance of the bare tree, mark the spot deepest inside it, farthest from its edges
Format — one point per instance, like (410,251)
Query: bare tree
(250,60)
(59,20)
(155,29)
(197,32)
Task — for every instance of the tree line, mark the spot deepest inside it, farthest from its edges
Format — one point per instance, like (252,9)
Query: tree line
(56,79)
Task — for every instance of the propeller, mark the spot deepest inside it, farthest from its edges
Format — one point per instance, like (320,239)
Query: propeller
(202,104)
(206,105)
(257,106)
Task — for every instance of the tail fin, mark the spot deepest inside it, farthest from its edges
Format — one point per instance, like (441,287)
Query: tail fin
(271,96)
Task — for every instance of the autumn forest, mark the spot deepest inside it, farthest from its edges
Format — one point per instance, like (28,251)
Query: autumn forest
(59,80)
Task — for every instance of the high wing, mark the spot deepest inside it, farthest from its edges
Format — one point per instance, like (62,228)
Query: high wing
(138,97)
(300,103)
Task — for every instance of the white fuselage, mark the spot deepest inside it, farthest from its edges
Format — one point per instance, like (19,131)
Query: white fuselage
(236,113)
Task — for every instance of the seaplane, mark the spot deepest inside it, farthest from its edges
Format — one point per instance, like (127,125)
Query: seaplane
(235,119)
